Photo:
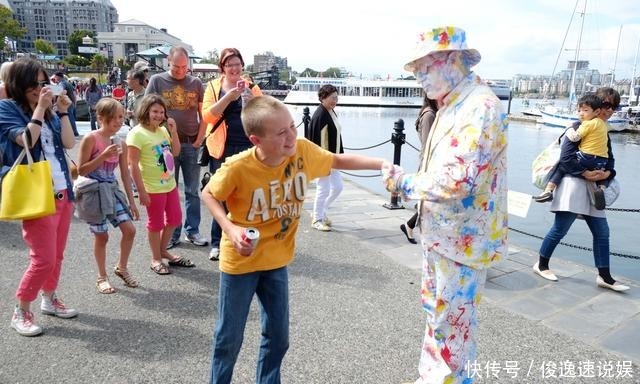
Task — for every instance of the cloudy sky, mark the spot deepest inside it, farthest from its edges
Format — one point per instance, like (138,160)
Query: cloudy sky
(373,37)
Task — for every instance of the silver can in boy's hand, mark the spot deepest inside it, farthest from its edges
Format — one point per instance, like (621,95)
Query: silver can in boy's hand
(251,235)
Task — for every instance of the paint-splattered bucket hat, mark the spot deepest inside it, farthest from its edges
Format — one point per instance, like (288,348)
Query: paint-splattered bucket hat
(442,39)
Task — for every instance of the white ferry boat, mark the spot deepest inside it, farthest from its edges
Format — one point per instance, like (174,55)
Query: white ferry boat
(367,93)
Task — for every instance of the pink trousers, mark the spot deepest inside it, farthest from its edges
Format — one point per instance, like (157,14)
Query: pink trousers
(46,238)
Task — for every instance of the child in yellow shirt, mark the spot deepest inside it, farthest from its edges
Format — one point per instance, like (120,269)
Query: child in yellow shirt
(263,187)
(593,151)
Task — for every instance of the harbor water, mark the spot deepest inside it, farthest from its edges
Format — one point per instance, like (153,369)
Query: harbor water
(365,127)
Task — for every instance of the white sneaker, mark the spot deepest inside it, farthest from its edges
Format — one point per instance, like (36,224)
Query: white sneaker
(55,307)
(196,239)
(214,254)
(321,226)
(22,322)
(327,221)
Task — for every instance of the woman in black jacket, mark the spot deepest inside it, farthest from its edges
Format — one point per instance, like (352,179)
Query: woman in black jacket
(324,130)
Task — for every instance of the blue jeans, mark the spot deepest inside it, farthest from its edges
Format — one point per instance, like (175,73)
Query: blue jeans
(72,119)
(214,164)
(92,119)
(591,162)
(599,230)
(187,160)
(236,293)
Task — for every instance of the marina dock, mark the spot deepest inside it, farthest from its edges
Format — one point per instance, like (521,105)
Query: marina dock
(538,120)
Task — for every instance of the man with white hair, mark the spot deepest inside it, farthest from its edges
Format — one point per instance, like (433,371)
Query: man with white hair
(462,185)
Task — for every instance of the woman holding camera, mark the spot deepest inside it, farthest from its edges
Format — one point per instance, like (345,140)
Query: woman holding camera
(29,108)
(221,107)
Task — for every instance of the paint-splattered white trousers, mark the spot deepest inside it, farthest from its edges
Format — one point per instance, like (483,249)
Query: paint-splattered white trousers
(450,296)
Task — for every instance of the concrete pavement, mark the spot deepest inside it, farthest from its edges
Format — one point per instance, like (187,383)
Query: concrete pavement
(355,313)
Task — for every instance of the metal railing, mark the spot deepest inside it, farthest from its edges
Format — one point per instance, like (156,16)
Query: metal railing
(398,138)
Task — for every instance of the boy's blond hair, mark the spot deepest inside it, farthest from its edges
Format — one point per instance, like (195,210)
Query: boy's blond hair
(257,111)
(107,108)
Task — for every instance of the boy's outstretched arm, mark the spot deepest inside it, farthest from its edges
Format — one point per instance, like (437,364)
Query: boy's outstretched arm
(233,231)
(351,161)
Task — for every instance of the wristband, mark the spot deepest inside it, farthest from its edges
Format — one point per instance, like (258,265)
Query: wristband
(62,114)
(36,122)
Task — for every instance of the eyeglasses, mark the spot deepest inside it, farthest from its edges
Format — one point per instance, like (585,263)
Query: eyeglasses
(236,65)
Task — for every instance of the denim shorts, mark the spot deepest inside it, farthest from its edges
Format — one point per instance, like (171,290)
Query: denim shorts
(122,214)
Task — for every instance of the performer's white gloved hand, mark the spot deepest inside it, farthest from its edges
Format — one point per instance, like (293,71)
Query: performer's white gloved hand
(391,175)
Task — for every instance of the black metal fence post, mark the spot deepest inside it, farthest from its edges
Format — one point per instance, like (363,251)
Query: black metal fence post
(397,139)
(306,119)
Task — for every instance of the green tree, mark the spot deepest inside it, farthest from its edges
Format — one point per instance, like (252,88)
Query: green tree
(77,61)
(44,47)
(75,39)
(98,62)
(286,76)
(211,57)
(332,72)
(308,72)
(9,27)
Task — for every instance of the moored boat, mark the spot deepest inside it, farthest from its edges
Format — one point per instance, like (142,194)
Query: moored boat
(561,117)
(564,117)
(355,92)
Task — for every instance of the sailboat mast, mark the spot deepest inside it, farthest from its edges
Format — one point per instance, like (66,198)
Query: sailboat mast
(615,61)
(572,89)
(632,92)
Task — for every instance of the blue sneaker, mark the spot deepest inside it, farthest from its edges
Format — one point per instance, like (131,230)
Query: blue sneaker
(173,243)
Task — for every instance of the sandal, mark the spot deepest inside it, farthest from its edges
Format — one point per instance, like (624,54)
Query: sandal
(160,269)
(104,286)
(181,262)
(124,274)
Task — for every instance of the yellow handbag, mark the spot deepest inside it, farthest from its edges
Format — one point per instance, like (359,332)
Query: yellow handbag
(27,189)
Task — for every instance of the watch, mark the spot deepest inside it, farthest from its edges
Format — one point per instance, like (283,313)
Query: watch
(62,114)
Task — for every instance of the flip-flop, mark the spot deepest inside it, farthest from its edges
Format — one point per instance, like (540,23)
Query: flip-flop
(181,262)
(160,269)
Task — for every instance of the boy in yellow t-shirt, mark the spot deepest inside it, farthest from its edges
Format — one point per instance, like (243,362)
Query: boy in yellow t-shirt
(263,187)
(593,150)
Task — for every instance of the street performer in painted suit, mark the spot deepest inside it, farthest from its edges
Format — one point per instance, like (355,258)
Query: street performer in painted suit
(462,188)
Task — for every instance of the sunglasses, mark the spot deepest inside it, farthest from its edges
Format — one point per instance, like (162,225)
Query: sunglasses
(608,105)
(40,83)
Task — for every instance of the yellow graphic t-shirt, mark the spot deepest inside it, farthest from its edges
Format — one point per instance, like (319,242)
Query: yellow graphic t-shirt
(156,160)
(269,199)
(594,137)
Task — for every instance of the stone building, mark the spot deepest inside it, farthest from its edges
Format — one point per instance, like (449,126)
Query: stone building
(132,36)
